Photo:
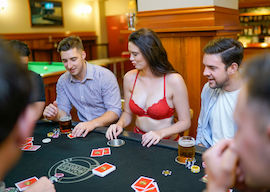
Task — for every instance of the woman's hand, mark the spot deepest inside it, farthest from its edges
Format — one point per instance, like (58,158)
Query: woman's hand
(151,138)
(113,131)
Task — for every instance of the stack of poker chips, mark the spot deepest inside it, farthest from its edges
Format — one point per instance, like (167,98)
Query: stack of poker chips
(195,169)
(54,134)
(190,162)
(190,165)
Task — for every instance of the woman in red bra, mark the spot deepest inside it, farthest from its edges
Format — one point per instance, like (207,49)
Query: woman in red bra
(153,91)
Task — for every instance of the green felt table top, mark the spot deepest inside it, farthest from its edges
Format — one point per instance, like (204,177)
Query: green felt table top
(132,160)
(43,68)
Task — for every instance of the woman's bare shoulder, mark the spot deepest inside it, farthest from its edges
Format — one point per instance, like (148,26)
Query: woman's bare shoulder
(174,79)
(130,75)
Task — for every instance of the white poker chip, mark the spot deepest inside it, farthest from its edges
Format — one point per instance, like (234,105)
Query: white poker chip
(46,140)
(166,172)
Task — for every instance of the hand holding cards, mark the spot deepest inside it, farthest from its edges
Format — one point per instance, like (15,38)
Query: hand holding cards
(22,185)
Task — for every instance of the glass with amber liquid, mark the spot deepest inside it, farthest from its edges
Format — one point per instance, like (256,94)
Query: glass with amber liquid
(186,149)
(65,124)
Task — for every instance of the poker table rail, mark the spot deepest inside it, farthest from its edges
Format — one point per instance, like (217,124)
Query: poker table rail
(137,137)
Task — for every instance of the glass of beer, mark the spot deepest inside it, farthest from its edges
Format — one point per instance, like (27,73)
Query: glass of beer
(186,149)
(65,124)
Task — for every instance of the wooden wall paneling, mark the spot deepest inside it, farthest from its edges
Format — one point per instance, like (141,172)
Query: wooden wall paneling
(168,21)
(251,52)
(253,3)
(186,56)
(43,45)
(174,47)
(226,17)
(188,17)
(193,65)
(50,86)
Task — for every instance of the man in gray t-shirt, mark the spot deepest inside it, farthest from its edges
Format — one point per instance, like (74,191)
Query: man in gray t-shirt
(91,89)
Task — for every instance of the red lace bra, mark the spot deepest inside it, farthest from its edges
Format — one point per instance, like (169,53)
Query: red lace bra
(159,110)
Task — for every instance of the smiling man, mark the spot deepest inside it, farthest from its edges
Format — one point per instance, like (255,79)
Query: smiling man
(222,58)
(244,161)
(91,89)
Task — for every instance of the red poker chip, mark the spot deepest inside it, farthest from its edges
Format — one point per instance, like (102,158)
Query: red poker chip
(59,175)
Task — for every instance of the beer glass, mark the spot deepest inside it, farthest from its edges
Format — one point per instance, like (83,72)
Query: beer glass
(186,149)
(65,124)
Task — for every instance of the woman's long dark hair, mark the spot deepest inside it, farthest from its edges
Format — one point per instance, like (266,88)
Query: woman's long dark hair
(153,51)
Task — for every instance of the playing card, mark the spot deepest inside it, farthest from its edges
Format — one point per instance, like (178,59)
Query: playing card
(27,144)
(152,189)
(103,169)
(106,151)
(142,183)
(204,179)
(31,148)
(29,139)
(96,153)
(70,136)
(151,186)
(22,185)
(139,190)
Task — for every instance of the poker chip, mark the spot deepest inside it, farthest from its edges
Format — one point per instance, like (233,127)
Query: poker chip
(190,162)
(50,134)
(195,169)
(53,179)
(59,175)
(166,172)
(46,140)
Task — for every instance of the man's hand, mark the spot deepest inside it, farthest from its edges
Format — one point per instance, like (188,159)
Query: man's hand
(221,164)
(42,185)
(113,131)
(51,111)
(82,129)
(201,145)
(151,138)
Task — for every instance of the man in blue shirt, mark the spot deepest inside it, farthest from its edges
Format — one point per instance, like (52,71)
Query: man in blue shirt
(91,89)
(243,162)
(222,58)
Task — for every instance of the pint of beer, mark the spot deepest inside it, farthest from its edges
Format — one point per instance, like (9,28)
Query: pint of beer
(65,124)
(186,149)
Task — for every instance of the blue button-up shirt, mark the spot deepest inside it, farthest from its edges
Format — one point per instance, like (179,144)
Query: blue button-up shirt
(204,131)
(97,93)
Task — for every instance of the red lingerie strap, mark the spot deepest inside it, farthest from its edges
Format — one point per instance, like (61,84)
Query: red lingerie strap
(134,84)
(164,86)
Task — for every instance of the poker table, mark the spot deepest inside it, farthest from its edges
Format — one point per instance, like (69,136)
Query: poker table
(132,160)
